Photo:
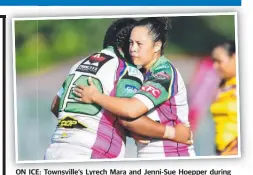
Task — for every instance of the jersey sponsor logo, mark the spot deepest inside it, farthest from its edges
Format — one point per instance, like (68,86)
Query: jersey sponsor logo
(161,75)
(70,122)
(62,135)
(164,66)
(88,68)
(96,58)
(65,135)
(93,63)
(152,90)
(131,88)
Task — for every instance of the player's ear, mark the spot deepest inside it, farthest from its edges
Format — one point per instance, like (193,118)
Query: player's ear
(158,46)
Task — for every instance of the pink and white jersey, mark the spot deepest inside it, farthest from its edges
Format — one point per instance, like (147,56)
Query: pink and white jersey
(88,129)
(164,94)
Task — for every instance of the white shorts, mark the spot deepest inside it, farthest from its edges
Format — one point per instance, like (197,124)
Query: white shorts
(66,151)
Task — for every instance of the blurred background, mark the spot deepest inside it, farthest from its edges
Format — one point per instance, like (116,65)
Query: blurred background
(47,49)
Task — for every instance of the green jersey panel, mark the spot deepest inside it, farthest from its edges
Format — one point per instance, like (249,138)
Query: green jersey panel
(130,82)
(159,82)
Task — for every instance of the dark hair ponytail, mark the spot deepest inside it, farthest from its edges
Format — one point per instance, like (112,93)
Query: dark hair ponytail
(166,21)
(158,28)
(117,35)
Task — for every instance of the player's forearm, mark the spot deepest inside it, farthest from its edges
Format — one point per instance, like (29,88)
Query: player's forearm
(149,128)
(55,106)
(145,127)
(124,107)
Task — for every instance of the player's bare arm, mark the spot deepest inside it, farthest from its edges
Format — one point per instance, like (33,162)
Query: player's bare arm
(141,126)
(55,106)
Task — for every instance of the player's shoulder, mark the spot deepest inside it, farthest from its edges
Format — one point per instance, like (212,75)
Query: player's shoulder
(95,61)
(163,70)
(110,56)
(163,65)
(101,56)
(75,66)
(134,71)
(132,68)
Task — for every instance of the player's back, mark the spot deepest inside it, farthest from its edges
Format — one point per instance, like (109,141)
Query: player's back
(88,125)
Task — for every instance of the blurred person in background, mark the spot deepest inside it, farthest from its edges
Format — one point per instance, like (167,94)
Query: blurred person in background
(201,91)
(224,108)
(162,96)
(86,131)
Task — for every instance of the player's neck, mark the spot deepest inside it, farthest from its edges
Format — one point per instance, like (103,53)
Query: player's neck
(148,66)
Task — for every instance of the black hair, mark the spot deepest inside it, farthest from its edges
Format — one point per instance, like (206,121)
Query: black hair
(117,35)
(229,46)
(158,27)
